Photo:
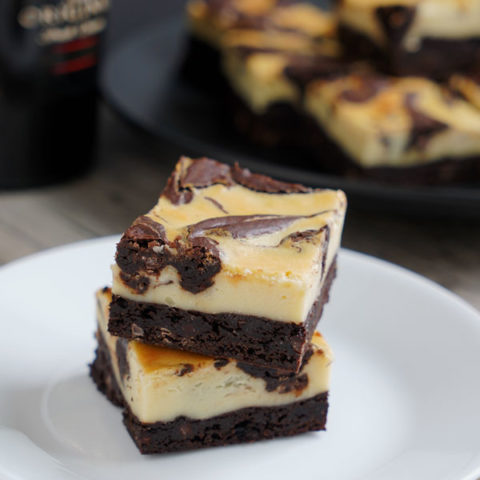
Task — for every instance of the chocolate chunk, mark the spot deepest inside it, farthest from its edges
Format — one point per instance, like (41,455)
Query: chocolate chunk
(205,172)
(279,380)
(208,244)
(186,368)
(137,282)
(276,382)
(220,363)
(201,173)
(395,21)
(197,265)
(144,228)
(262,183)
(423,126)
(121,348)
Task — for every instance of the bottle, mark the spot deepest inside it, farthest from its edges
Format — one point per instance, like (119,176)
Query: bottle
(49,52)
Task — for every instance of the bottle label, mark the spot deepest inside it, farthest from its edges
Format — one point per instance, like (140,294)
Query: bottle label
(71,28)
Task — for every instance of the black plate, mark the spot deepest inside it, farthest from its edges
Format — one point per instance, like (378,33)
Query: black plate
(140,80)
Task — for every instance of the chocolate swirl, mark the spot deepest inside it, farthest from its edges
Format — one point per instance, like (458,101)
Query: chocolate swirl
(242,226)
(280,380)
(423,127)
(395,21)
(204,172)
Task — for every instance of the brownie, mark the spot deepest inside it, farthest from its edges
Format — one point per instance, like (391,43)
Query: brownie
(423,38)
(403,130)
(281,122)
(218,268)
(437,58)
(241,426)
(226,335)
(212,22)
(329,156)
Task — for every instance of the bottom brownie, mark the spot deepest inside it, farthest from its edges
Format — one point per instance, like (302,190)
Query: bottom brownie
(240,426)
(102,373)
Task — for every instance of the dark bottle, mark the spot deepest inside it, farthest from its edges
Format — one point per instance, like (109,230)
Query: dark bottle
(48,88)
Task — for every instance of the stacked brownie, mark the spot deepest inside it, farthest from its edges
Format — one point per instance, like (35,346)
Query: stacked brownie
(208,334)
(383,90)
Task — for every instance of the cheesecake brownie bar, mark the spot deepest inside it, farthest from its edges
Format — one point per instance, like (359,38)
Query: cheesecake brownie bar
(176,400)
(266,73)
(228,264)
(406,129)
(413,37)
(210,20)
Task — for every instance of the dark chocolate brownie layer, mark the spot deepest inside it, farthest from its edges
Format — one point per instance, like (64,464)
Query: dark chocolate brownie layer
(227,335)
(436,58)
(240,426)
(102,373)
(283,123)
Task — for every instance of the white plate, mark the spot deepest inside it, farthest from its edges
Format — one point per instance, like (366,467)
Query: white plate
(405,396)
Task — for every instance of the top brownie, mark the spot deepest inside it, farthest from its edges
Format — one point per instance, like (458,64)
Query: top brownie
(222,240)
(413,37)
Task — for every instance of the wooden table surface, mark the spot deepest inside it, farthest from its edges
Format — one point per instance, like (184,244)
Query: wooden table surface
(132,169)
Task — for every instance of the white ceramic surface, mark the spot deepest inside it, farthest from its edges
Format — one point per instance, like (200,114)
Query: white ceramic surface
(405,396)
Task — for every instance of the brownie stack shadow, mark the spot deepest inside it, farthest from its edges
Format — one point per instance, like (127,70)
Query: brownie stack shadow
(207,336)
